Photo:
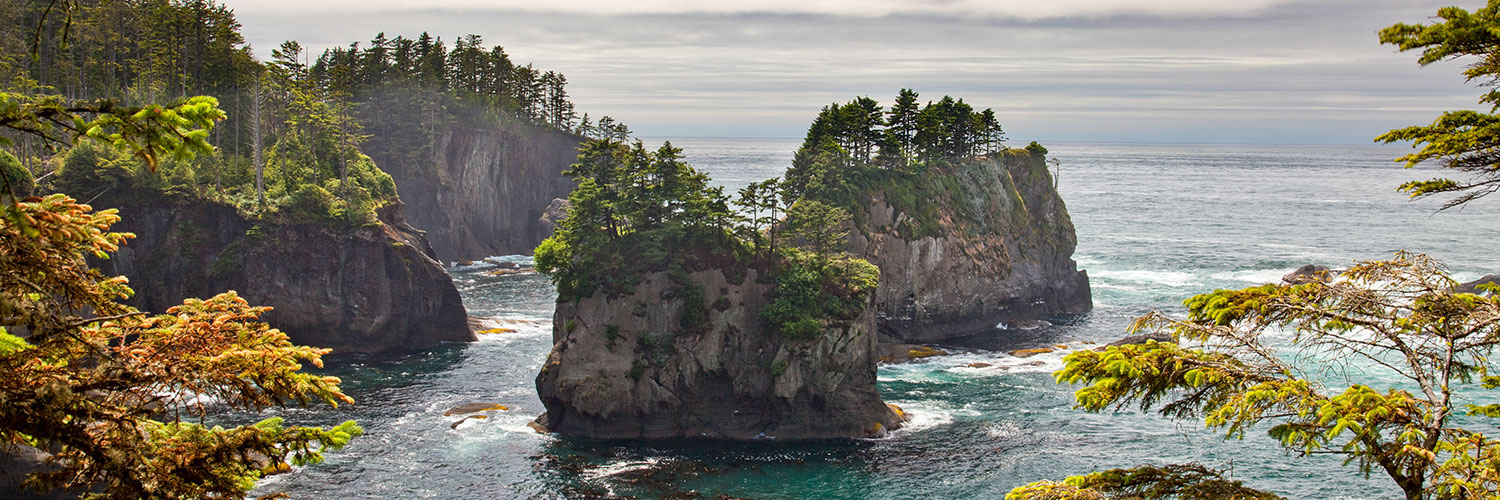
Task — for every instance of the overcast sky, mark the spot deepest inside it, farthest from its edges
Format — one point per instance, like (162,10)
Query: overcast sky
(1241,71)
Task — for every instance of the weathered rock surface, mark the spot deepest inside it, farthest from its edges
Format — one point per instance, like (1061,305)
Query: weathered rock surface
(357,290)
(895,354)
(556,211)
(1308,274)
(1141,339)
(1473,286)
(624,367)
(19,461)
(484,190)
(1004,257)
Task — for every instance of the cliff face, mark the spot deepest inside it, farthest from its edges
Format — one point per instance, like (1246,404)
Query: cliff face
(624,367)
(366,289)
(1003,253)
(483,192)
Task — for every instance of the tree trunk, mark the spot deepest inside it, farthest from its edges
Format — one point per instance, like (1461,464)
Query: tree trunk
(257,97)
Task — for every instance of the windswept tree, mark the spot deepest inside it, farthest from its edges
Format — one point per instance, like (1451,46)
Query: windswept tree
(1464,141)
(629,196)
(1402,318)
(104,389)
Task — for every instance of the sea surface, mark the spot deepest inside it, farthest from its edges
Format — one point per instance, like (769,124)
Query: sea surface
(1156,224)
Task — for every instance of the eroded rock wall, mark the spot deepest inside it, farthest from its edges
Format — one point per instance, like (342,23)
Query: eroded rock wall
(484,190)
(370,289)
(625,367)
(1004,254)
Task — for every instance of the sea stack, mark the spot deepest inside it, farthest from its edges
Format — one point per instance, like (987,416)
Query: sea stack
(624,366)
(992,244)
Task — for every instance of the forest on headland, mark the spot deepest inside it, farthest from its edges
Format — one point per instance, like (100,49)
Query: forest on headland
(111,102)
(295,136)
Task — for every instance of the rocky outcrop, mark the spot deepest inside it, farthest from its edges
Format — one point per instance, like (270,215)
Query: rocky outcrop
(626,366)
(555,213)
(368,289)
(1473,286)
(1308,274)
(1001,253)
(484,189)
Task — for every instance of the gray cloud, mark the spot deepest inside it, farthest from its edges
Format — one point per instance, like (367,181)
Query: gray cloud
(1014,9)
(1176,70)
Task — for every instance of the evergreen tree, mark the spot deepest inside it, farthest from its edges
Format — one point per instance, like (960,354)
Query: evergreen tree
(902,124)
(1464,141)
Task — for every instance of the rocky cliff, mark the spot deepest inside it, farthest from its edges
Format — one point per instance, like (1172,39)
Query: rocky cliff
(482,191)
(993,244)
(374,288)
(626,366)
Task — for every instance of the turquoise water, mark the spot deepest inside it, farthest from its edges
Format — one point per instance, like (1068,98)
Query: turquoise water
(1156,223)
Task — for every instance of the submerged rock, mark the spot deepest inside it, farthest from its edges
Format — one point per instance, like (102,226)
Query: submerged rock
(1026,353)
(466,419)
(474,408)
(1141,339)
(901,353)
(1308,274)
(626,366)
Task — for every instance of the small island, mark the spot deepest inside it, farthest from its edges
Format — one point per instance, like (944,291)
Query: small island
(679,316)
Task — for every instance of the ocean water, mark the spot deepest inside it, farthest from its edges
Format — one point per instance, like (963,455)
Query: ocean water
(1156,224)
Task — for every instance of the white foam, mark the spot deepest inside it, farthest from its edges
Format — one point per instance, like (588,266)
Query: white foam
(1168,278)
(1258,276)
(980,364)
(607,470)
(525,328)
(492,262)
(925,415)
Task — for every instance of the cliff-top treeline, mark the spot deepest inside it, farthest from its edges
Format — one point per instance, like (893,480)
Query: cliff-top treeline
(290,124)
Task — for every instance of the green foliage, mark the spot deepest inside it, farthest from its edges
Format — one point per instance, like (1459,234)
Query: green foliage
(1401,315)
(1146,482)
(15,180)
(11,344)
(861,133)
(1036,149)
(634,212)
(310,204)
(1463,141)
(818,227)
(178,131)
(926,152)
(694,315)
(778,367)
(813,289)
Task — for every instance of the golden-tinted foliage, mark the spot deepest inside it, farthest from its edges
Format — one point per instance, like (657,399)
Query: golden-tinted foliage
(110,391)
(1401,318)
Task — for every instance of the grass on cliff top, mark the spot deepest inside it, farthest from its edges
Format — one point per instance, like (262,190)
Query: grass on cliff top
(939,198)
